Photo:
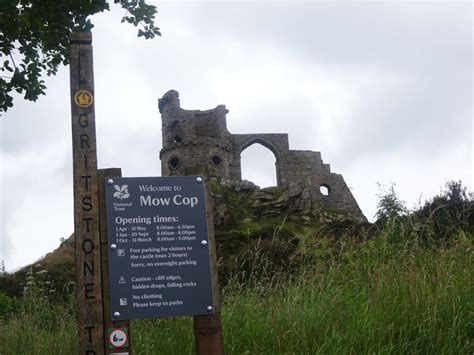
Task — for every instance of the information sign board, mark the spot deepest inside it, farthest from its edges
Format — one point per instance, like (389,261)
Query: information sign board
(157,233)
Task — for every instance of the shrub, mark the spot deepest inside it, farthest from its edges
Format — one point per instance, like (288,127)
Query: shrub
(446,214)
(6,305)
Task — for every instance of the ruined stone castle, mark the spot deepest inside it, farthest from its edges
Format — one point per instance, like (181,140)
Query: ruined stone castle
(193,137)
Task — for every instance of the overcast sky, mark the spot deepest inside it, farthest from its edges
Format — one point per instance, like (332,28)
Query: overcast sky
(382,89)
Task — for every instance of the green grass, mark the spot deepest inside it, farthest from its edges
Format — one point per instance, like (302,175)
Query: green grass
(374,297)
(419,303)
(38,327)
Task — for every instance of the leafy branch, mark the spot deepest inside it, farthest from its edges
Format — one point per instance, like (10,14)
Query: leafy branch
(34,39)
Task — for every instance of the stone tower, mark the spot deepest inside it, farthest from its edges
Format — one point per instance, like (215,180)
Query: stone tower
(193,137)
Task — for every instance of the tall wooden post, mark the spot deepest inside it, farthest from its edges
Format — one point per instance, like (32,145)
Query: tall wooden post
(86,207)
(108,322)
(208,328)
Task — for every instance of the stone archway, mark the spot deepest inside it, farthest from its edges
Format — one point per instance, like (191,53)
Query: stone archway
(276,143)
(258,165)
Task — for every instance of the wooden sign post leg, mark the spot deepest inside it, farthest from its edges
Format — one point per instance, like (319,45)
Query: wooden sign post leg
(108,323)
(86,207)
(208,328)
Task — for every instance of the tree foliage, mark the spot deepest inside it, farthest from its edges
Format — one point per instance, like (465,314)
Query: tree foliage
(34,38)
(438,221)
(392,214)
(447,213)
(389,205)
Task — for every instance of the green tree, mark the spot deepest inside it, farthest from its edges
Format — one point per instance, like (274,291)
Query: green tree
(388,204)
(34,38)
(392,214)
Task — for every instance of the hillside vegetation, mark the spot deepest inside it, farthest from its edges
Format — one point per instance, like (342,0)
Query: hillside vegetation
(293,284)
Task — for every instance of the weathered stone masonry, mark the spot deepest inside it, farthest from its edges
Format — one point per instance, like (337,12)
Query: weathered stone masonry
(193,137)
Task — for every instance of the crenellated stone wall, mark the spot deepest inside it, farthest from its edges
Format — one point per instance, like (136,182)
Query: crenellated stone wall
(194,137)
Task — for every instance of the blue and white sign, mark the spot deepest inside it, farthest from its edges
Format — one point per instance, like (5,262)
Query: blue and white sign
(159,263)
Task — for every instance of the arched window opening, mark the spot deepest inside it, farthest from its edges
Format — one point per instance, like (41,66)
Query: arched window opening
(258,165)
(176,132)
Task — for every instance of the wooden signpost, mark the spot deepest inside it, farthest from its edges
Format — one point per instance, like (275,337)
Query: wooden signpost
(86,206)
(96,328)
(101,332)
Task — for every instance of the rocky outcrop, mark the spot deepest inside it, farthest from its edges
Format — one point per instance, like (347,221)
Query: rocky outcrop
(274,201)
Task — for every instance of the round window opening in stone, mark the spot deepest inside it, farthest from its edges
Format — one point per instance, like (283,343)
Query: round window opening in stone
(325,190)
(174,162)
(216,160)
(177,138)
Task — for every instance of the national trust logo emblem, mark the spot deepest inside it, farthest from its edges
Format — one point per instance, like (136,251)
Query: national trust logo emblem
(121,192)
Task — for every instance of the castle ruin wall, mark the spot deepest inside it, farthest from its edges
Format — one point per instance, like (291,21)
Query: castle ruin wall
(194,137)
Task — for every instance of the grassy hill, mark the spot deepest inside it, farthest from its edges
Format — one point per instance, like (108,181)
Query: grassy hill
(296,282)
